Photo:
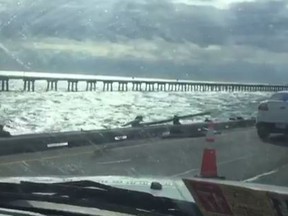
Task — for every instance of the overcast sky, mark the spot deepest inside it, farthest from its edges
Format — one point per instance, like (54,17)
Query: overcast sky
(207,39)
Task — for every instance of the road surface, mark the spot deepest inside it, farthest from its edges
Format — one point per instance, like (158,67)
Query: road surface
(240,154)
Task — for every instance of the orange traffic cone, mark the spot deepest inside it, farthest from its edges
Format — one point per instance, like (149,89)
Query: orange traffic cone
(210,135)
(209,164)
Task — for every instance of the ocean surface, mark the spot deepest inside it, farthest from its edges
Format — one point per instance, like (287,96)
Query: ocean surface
(41,111)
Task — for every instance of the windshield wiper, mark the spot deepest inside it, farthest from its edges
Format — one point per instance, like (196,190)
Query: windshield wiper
(92,195)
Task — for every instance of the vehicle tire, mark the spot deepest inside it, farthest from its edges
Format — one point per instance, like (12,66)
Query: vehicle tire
(263,132)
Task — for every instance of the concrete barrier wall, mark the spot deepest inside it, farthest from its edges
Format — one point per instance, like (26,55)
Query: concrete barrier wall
(46,141)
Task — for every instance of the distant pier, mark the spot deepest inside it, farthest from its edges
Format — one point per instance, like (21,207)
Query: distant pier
(30,85)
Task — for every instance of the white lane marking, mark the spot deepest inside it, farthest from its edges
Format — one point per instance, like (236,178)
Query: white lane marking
(219,164)
(145,143)
(261,175)
(114,162)
(183,173)
(130,146)
(235,159)
(51,145)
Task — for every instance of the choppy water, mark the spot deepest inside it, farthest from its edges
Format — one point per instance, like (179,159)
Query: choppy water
(40,111)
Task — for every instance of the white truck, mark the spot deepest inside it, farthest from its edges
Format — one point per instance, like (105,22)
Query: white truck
(272,116)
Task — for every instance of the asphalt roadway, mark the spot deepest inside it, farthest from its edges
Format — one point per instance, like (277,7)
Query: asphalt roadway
(240,156)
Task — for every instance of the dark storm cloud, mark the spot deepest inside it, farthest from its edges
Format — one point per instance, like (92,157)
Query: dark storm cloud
(246,41)
(109,21)
(231,71)
(260,23)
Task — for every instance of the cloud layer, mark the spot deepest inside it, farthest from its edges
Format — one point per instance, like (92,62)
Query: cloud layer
(196,41)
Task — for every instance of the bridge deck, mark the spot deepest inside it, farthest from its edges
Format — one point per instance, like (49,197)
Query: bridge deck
(125,83)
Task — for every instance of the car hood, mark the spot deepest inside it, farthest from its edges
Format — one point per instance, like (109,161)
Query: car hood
(174,189)
(234,196)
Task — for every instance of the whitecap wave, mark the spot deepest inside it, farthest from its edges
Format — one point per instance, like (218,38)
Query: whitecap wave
(40,111)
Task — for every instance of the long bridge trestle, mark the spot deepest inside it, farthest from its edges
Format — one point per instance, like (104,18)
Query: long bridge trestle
(140,85)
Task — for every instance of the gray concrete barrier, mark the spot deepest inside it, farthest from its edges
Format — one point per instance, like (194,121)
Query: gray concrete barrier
(46,141)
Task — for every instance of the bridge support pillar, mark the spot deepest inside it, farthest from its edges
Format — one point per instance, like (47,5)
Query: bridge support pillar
(73,85)
(219,88)
(149,86)
(161,87)
(107,86)
(192,87)
(172,87)
(123,86)
(29,85)
(4,85)
(204,88)
(236,88)
(169,87)
(185,87)
(136,86)
(52,85)
(91,85)
(139,87)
